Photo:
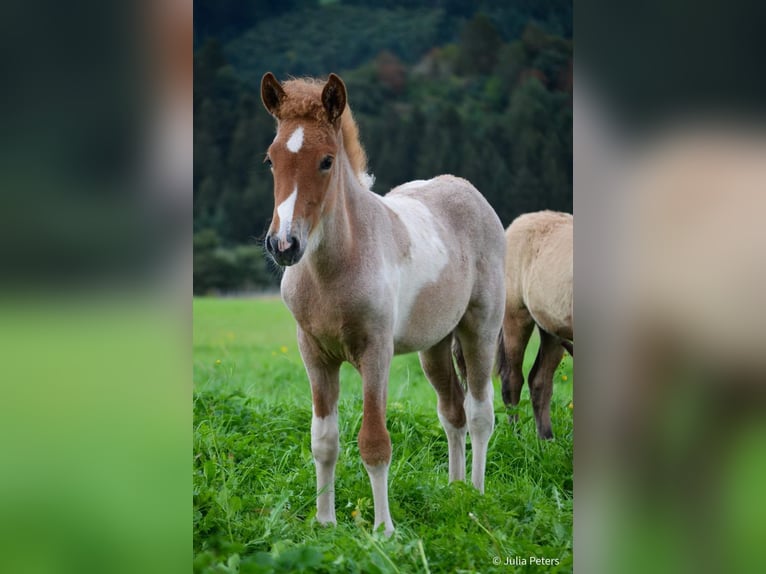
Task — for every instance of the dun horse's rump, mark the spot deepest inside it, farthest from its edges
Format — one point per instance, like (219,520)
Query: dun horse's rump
(538,277)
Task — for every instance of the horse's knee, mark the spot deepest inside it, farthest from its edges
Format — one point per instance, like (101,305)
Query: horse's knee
(451,412)
(325,438)
(374,445)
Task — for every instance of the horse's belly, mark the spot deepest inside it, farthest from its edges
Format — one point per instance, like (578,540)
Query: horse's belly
(550,305)
(425,315)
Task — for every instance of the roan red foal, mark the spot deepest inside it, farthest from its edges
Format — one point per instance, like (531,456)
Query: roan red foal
(368,277)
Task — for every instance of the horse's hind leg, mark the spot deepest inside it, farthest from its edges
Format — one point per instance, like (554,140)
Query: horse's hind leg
(478,338)
(438,367)
(541,381)
(517,328)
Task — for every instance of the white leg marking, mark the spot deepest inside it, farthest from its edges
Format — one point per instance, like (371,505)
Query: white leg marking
(481,422)
(285,212)
(325,446)
(296,140)
(379,480)
(456,443)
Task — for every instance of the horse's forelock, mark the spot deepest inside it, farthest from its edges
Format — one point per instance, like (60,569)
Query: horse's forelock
(304,101)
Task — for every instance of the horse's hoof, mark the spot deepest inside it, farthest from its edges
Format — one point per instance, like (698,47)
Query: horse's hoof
(386,529)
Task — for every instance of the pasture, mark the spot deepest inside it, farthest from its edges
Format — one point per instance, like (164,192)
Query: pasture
(254,480)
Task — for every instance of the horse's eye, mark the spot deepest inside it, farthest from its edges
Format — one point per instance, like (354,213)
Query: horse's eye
(267,161)
(326,163)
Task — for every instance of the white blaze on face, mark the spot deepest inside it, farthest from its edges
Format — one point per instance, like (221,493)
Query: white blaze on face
(296,140)
(285,213)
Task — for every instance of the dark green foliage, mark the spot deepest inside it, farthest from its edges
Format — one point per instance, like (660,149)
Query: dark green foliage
(332,38)
(481,90)
(479,43)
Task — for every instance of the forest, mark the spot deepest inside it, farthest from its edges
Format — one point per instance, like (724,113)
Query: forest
(478,89)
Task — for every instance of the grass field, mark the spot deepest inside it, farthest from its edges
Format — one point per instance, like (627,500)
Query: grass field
(254,483)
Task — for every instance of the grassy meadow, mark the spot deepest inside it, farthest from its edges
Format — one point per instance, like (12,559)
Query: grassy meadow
(254,482)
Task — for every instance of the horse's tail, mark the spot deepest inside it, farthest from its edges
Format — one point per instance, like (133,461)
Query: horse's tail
(457,353)
(502,364)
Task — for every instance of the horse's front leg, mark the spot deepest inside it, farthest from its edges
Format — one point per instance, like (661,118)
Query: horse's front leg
(325,442)
(374,440)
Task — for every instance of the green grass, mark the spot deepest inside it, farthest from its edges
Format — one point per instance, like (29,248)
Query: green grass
(254,483)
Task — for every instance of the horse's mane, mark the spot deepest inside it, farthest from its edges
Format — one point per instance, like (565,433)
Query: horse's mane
(304,100)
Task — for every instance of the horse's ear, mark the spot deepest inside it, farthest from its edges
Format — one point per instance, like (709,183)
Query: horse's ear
(334,97)
(272,93)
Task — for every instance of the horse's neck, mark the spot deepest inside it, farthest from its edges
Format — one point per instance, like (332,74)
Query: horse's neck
(345,222)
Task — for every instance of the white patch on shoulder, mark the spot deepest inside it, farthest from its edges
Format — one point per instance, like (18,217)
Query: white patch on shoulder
(285,212)
(296,140)
(428,254)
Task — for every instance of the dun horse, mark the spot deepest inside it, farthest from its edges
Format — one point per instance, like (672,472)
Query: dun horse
(538,283)
(368,277)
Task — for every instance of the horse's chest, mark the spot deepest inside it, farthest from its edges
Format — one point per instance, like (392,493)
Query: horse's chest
(340,317)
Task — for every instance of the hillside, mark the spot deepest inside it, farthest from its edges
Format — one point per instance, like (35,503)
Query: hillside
(469,88)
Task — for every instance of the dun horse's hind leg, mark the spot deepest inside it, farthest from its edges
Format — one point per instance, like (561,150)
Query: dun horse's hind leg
(517,328)
(438,367)
(541,381)
(325,443)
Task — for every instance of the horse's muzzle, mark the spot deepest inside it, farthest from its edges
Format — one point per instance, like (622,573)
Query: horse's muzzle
(289,253)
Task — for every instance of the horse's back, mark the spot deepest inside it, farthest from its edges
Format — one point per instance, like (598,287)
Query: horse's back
(539,268)
(466,222)
(456,203)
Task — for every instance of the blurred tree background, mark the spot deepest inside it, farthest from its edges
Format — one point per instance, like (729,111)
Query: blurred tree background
(475,88)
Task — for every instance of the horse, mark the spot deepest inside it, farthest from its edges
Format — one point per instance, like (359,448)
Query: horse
(367,277)
(538,287)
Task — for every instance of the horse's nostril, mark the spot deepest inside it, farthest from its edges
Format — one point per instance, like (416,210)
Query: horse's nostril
(296,244)
(271,246)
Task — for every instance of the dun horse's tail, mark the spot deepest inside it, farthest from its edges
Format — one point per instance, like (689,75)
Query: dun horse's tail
(457,353)
(502,364)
